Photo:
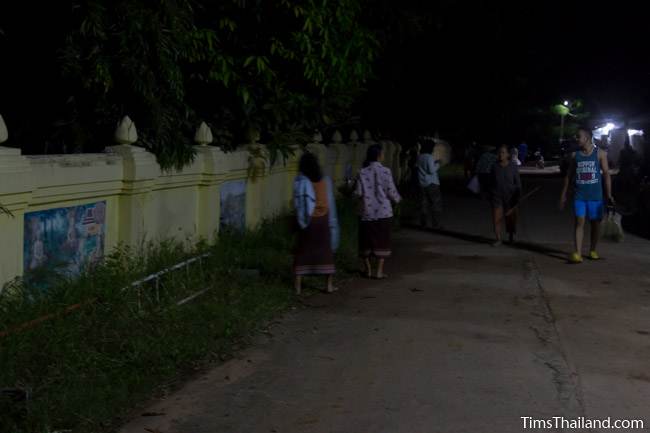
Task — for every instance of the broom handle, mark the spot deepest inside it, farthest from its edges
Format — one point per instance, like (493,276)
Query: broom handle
(524,197)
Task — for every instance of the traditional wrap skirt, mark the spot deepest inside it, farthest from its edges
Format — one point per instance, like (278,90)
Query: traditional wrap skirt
(313,253)
(375,238)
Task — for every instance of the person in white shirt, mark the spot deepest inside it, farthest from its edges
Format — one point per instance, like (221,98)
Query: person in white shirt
(514,156)
(427,168)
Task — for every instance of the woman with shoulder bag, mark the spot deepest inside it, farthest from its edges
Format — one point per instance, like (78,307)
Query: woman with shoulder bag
(318,229)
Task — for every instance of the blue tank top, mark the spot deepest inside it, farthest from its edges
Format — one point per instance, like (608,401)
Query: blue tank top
(589,184)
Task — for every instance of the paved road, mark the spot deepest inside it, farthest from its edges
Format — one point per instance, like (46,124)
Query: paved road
(463,337)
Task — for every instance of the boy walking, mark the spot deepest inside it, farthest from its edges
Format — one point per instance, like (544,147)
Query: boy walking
(585,174)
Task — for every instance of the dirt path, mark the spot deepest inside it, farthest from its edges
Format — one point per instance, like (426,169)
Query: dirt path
(463,337)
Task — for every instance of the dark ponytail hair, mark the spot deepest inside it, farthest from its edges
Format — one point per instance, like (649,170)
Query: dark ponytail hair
(309,166)
(372,155)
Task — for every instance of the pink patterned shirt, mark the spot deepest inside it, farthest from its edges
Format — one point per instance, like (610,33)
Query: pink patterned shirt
(376,188)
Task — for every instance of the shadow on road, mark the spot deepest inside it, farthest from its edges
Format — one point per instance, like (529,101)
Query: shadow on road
(527,246)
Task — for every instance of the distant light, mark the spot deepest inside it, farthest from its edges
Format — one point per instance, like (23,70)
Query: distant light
(607,128)
(566,103)
(632,132)
(603,130)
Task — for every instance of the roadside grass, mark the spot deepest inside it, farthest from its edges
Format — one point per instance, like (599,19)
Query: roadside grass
(85,368)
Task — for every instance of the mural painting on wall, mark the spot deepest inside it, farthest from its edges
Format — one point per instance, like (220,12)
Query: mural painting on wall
(65,240)
(233,205)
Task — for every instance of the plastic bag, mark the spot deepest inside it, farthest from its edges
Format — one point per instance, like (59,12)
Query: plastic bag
(612,228)
(474,185)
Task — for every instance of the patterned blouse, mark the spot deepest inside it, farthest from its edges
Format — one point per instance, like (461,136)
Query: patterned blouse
(376,188)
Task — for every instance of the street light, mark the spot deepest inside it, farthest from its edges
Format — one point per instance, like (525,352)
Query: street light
(604,130)
(563,109)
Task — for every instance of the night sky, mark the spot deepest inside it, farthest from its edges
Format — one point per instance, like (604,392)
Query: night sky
(463,68)
(477,66)
(589,51)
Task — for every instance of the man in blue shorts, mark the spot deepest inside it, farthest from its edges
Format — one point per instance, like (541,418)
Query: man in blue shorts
(589,170)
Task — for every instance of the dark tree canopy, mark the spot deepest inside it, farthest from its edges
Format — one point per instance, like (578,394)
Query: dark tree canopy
(470,70)
(279,67)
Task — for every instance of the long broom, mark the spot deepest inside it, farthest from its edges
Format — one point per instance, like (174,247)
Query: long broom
(524,197)
(515,207)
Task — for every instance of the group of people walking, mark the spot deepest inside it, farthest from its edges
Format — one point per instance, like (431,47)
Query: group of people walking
(588,177)
(496,172)
(374,187)
(318,234)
